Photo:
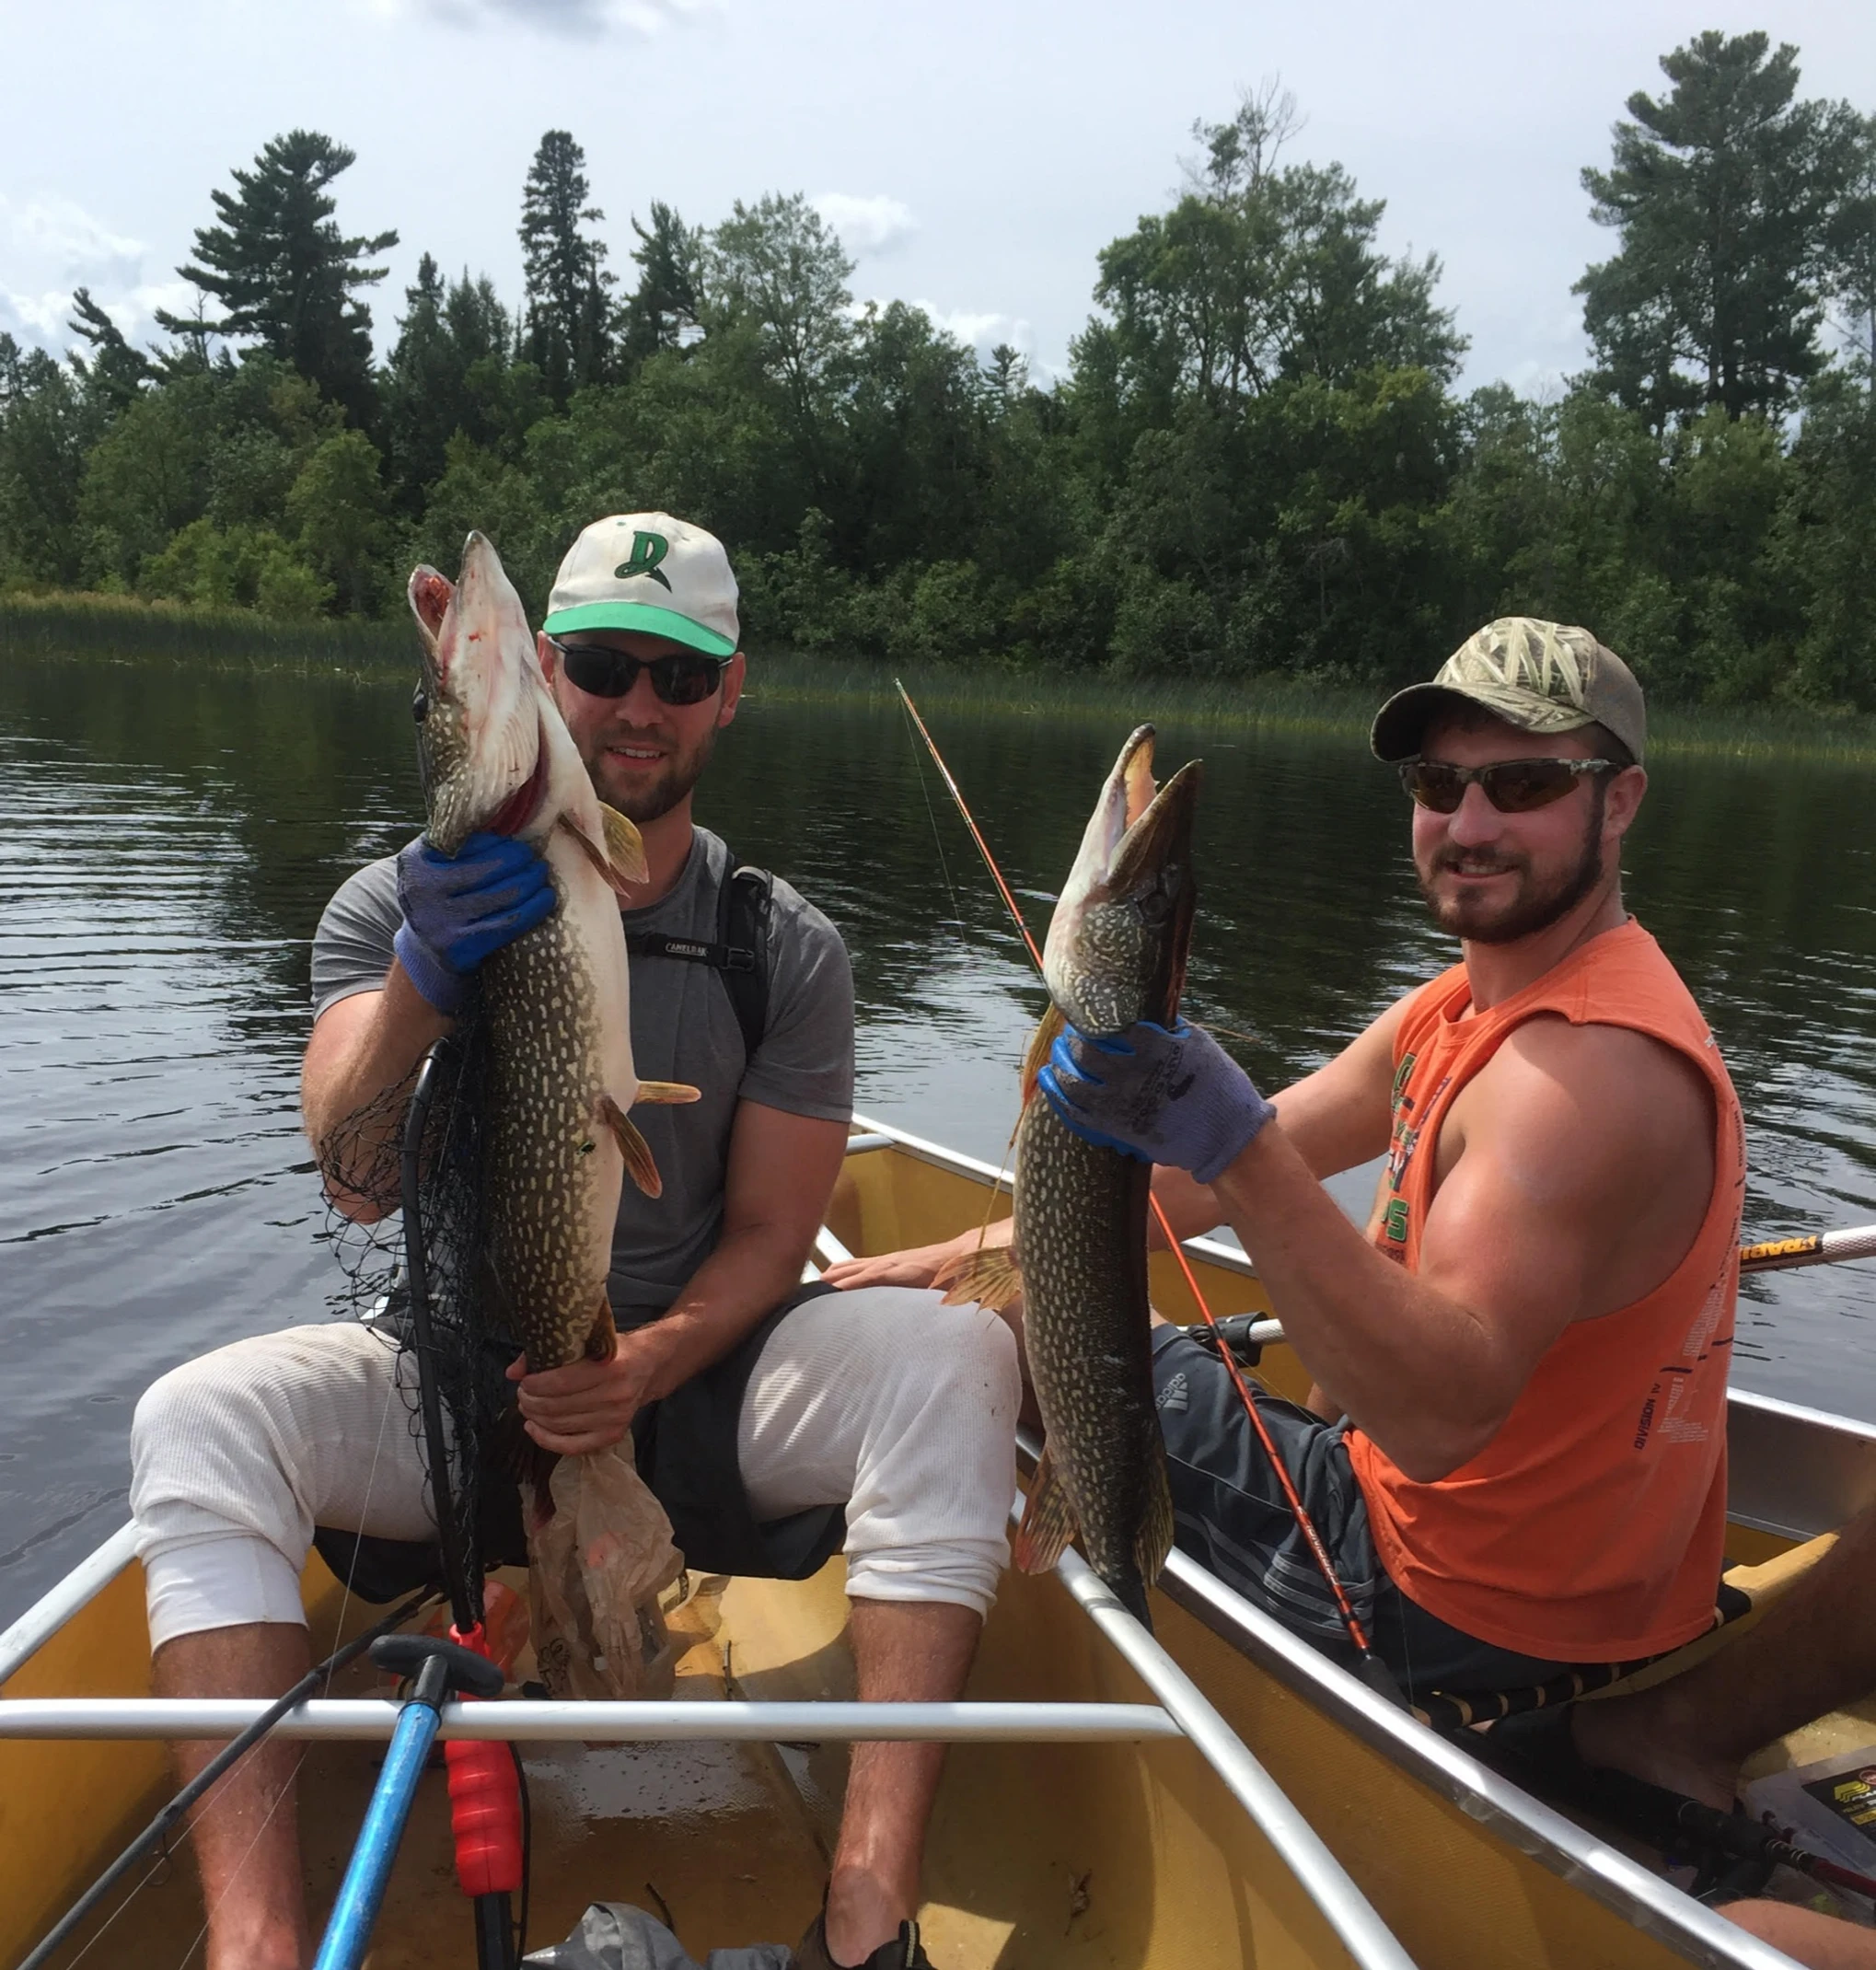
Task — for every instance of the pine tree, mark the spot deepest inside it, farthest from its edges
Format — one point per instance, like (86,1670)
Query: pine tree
(284,274)
(448,375)
(115,371)
(665,302)
(567,331)
(1725,193)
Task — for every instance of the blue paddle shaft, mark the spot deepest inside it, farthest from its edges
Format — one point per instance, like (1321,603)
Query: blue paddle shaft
(348,1933)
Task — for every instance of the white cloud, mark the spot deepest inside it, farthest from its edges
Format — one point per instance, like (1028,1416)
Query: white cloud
(42,317)
(57,231)
(982,331)
(866,225)
(551,17)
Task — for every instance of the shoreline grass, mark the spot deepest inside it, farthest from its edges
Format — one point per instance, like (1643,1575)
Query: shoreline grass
(124,630)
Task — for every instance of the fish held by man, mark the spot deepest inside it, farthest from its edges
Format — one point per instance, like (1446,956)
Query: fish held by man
(1115,953)
(496,759)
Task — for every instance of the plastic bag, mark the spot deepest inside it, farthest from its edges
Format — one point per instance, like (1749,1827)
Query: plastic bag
(616,1936)
(595,1566)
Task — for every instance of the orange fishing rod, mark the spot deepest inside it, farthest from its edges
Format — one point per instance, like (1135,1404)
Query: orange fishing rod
(1370,1667)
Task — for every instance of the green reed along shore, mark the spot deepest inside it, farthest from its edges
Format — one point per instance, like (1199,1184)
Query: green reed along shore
(118,628)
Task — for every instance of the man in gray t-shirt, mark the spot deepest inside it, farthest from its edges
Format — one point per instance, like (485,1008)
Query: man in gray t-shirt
(775,1428)
(803,1064)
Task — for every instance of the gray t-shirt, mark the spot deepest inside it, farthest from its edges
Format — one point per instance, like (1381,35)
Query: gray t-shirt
(683,1029)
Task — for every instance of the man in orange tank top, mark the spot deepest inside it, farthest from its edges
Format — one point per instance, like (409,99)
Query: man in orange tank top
(1515,1448)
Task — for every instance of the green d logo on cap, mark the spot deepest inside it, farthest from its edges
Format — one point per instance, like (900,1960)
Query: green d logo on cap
(648,551)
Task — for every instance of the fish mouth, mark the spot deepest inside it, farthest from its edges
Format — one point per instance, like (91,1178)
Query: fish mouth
(1117,942)
(487,762)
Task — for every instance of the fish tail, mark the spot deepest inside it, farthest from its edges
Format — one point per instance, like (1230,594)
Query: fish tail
(1129,1589)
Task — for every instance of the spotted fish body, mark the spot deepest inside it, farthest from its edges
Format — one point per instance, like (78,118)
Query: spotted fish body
(497,757)
(1115,953)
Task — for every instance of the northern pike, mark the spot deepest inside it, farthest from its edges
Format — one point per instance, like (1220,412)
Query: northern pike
(496,756)
(1115,953)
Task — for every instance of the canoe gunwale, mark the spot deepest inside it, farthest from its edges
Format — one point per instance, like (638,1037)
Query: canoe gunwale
(24,1637)
(1523,1821)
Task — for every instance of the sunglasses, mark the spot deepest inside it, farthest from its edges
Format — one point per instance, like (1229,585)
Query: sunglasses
(684,676)
(1513,786)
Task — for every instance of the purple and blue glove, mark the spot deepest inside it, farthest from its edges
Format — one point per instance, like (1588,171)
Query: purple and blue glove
(1165,1094)
(460,909)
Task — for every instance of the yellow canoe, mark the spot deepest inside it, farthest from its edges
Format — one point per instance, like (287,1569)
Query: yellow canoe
(1244,1802)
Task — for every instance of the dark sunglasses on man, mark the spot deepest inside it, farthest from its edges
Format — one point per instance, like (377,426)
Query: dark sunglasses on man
(1513,786)
(682,677)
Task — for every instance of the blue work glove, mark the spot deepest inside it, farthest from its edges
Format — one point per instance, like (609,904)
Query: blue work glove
(1170,1096)
(459,909)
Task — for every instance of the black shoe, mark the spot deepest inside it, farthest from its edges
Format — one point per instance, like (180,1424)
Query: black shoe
(905,1951)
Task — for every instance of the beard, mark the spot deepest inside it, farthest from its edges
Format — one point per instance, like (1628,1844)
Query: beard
(645,797)
(1536,904)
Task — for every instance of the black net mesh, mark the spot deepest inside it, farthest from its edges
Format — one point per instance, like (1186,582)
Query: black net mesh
(468,1355)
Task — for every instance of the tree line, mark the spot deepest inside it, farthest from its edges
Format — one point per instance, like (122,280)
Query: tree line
(1257,461)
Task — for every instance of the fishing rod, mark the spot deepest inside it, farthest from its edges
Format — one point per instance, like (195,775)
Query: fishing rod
(1369,1666)
(1820,1248)
(158,1832)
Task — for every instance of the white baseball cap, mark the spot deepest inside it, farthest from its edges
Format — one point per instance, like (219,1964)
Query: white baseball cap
(648,572)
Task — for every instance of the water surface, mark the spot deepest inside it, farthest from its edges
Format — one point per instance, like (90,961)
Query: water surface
(169,836)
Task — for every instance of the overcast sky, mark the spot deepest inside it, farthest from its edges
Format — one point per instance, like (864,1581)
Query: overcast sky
(977,156)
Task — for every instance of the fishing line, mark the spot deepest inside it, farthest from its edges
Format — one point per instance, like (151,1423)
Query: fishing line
(1369,1665)
(937,838)
(158,1832)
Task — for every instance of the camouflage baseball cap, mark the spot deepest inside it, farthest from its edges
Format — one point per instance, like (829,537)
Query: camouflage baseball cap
(1541,676)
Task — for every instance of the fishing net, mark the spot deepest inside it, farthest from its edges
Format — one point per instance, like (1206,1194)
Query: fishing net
(470,1350)
(598,1544)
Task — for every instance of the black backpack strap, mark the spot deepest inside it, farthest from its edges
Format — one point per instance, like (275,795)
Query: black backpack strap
(738,954)
(742,928)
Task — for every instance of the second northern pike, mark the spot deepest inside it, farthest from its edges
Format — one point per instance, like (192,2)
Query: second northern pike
(1116,954)
(497,757)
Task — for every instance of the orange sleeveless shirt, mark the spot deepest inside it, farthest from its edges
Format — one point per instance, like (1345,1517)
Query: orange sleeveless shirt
(1590,1527)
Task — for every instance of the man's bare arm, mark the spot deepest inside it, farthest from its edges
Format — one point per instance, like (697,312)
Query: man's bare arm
(781,1177)
(1336,1118)
(1579,1143)
(360,1047)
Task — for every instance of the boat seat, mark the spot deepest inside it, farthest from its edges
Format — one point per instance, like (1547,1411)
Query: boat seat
(1745,1592)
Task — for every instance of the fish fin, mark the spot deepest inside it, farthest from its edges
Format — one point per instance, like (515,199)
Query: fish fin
(1155,1539)
(662,1092)
(602,1343)
(1049,1520)
(616,876)
(987,1277)
(624,849)
(515,1454)
(1049,1030)
(639,1164)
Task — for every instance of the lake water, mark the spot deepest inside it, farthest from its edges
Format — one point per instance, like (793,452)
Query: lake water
(169,836)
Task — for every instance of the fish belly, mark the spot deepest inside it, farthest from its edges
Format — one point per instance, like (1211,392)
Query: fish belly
(1081,1237)
(559,1040)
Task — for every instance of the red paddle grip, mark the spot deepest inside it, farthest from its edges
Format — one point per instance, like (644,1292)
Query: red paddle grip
(484,1806)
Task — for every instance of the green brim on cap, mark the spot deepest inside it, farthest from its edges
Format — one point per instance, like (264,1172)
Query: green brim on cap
(645,618)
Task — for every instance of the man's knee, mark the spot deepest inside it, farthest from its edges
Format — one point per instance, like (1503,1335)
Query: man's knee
(951,1355)
(207,1434)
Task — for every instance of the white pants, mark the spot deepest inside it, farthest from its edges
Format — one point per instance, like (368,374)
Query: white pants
(882,1399)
